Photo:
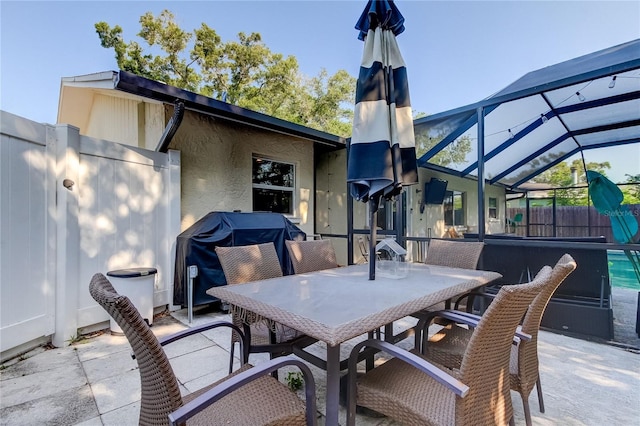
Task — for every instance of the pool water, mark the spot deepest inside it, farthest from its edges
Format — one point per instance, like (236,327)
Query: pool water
(621,271)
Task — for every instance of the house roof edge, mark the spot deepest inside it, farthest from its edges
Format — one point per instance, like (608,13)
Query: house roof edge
(141,86)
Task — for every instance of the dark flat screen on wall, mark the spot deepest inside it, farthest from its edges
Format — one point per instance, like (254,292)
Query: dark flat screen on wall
(434,191)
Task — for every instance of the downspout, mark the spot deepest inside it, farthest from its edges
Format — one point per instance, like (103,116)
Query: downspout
(172,126)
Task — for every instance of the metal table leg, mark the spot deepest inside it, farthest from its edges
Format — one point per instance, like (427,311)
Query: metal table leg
(333,385)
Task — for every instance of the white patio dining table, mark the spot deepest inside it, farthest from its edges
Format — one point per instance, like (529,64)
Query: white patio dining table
(336,305)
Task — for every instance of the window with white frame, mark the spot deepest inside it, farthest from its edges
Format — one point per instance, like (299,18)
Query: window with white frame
(273,186)
(493,208)
(454,208)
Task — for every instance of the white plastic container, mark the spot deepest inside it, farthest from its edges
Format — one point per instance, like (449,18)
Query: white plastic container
(138,285)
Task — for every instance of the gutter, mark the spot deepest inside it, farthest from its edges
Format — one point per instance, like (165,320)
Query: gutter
(137,85)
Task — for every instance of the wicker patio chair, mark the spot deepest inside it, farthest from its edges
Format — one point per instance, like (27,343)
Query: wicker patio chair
(312,255)
(447,346)
(363,245)
(249,396)
(454,254)
(414,391)
(462,254)
(242,264)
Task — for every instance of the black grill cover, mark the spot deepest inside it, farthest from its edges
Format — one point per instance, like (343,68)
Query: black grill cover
(195,246)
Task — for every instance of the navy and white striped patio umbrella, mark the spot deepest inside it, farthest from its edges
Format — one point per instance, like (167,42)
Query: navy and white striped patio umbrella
(382,155)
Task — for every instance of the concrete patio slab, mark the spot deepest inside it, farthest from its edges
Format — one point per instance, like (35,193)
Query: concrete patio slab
(97,383)
(65,407)
(117,391)
(41,383)
(111,365)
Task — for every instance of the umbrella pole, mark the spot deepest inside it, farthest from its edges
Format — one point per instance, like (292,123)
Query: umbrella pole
(373,211)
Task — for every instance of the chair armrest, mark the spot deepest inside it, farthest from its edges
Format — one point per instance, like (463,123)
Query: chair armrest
(472,320)
(201,402)
(425,318)
(456,316)
(199,329)
(196,330)
(450,382)
(521,335)
(471,295)
(466,318)
(459,317)
(244,342)
(469,319)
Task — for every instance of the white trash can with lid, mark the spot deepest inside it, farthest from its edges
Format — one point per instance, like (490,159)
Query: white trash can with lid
(138,285)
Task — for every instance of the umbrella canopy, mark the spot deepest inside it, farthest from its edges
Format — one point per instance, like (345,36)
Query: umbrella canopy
(382,155)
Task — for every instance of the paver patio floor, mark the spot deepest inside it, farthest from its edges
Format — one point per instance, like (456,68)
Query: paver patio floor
(97,383)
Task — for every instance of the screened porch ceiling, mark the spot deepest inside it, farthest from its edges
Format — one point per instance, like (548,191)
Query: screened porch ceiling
(585,105)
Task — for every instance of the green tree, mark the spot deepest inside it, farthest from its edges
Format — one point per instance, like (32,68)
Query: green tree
(454,153)
(244,72)
(561,176)
(631,192)
(321,103)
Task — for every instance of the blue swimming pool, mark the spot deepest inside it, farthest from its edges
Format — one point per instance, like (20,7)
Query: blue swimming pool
(620,270)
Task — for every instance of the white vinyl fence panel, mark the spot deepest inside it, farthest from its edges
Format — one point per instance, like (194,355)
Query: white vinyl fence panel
(27,293)
(123,216)
(120,211)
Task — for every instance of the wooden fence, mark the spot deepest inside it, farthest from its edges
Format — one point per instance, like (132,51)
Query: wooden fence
(570,221)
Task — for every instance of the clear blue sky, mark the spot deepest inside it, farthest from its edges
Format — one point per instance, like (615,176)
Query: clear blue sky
(457,52)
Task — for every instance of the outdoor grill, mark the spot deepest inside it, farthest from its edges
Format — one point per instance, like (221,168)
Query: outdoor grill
(196,247)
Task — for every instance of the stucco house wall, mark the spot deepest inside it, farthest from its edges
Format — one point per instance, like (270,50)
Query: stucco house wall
(216,153)
(217,167)
(331,199)
(433,216)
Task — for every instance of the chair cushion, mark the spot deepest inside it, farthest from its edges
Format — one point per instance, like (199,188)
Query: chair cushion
(265,401)
(447,346)
(406,394)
